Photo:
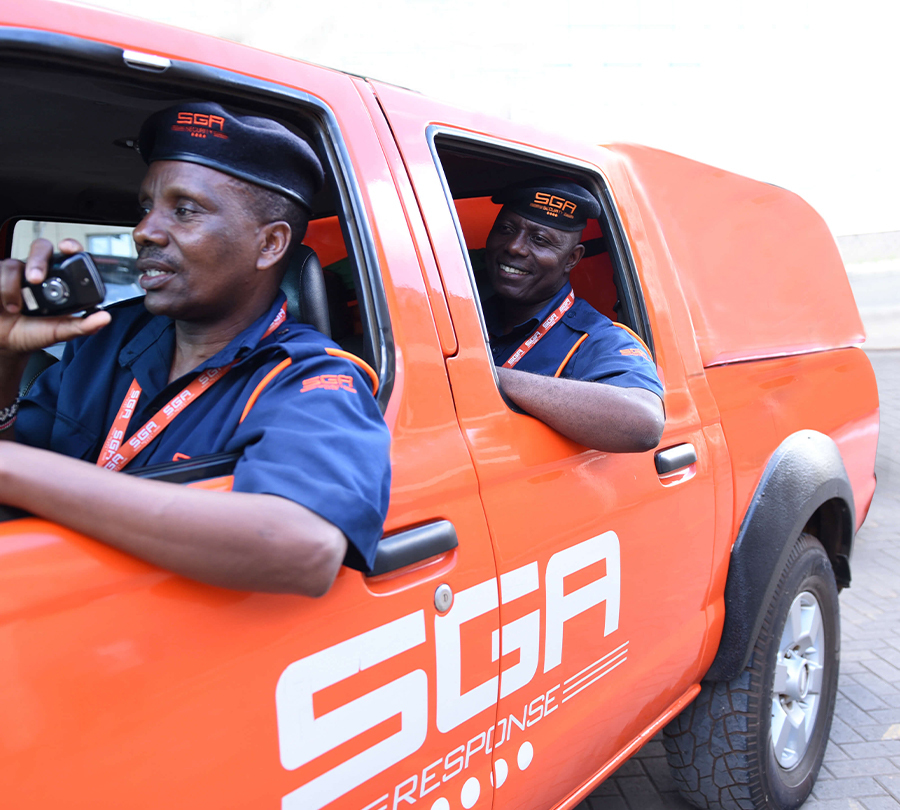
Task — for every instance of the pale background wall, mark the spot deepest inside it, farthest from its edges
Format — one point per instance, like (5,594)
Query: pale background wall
(799,93)
(873,267)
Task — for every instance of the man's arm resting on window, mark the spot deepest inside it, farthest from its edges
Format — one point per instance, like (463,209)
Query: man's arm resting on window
(239,540)
(605,417)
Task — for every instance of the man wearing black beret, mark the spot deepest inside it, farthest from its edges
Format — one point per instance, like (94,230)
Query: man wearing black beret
(209,361)
(557,357)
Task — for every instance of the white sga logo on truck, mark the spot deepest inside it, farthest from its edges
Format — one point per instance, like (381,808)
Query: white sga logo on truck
(303,737)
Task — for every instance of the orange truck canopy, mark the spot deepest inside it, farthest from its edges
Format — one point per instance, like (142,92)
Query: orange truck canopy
(772,253)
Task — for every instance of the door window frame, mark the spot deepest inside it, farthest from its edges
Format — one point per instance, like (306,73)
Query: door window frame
(50,52)
(634,311)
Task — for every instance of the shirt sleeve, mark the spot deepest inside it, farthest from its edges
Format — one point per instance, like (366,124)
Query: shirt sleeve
(317,437)
(615,357)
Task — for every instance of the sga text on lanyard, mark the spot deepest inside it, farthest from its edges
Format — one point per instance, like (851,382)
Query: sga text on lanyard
(530,342)
(115,455)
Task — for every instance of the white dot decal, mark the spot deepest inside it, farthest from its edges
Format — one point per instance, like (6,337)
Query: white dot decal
(525,755)
(441,804)
(501,769)
(470,792)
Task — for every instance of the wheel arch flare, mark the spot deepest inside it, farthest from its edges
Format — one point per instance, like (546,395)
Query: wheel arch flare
(804,487)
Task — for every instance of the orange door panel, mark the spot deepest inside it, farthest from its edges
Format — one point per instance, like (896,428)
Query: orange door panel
(604,567)
(588,545)
(124,685)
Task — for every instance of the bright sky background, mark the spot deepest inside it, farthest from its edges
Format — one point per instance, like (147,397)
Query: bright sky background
(798,93)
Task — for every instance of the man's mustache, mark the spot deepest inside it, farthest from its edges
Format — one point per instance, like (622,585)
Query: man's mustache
(152,253)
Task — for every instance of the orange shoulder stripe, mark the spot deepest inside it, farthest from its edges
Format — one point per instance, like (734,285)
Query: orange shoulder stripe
(360,362)
(572,351)
(285,363)
(637,337)
(263,383)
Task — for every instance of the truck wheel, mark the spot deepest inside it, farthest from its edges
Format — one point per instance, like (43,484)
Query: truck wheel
(757,742)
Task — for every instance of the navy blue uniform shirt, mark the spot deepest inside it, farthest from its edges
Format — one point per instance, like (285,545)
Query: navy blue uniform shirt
(315,435)
(609,354)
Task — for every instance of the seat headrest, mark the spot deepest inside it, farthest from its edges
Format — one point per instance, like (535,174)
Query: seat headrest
(304,286)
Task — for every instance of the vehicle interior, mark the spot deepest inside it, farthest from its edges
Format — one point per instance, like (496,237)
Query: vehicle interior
(603,277)
(73,111)
(69,166)
(69,155)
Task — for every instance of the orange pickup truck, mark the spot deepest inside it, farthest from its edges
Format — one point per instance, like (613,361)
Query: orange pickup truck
(692,588)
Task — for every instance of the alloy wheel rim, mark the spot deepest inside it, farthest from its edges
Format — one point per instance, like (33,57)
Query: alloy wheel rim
(799,670)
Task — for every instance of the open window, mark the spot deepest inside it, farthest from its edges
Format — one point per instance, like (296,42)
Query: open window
(474,170)
(69,167)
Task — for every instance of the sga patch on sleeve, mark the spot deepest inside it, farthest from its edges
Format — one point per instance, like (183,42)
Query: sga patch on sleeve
(634,353)
(330,382)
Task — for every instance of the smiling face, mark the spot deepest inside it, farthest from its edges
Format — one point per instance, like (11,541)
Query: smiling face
(199,251)
(528,263)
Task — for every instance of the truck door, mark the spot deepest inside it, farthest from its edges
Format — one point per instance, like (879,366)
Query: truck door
(604,560)
(127,685)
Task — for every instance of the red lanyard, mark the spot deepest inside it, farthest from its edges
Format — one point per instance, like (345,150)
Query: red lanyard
(114,455)
(530,342)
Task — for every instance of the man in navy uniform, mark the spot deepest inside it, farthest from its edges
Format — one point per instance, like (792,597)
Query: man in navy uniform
(557,358)
(208,362)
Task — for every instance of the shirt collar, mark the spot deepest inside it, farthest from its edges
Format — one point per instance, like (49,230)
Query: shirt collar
(492,313)
(553,303)
(240,346)
(247,340)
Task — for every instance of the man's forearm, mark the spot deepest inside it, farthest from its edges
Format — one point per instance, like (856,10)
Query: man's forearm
(605,417)
(231,539)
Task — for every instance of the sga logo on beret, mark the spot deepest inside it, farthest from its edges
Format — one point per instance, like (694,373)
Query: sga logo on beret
(257,150)
(199,124)
(553,205)
(553,201)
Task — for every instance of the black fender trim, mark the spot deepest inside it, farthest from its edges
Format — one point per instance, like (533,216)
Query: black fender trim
(805,473)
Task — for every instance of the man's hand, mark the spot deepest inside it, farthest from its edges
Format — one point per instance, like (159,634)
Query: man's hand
(22,335)
(604,417)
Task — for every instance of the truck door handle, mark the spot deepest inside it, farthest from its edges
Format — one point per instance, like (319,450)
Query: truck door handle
(675,458)
(414,545)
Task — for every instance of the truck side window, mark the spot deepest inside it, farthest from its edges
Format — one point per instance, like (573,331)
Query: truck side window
(474,173)
(81,180)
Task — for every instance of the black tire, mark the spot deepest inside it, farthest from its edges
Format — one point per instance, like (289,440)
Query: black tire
(720,748)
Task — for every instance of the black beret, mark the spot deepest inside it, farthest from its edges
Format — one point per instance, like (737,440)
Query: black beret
(550,201)
(254,149)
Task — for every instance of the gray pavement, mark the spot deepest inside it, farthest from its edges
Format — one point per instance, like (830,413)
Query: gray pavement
(862,763)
